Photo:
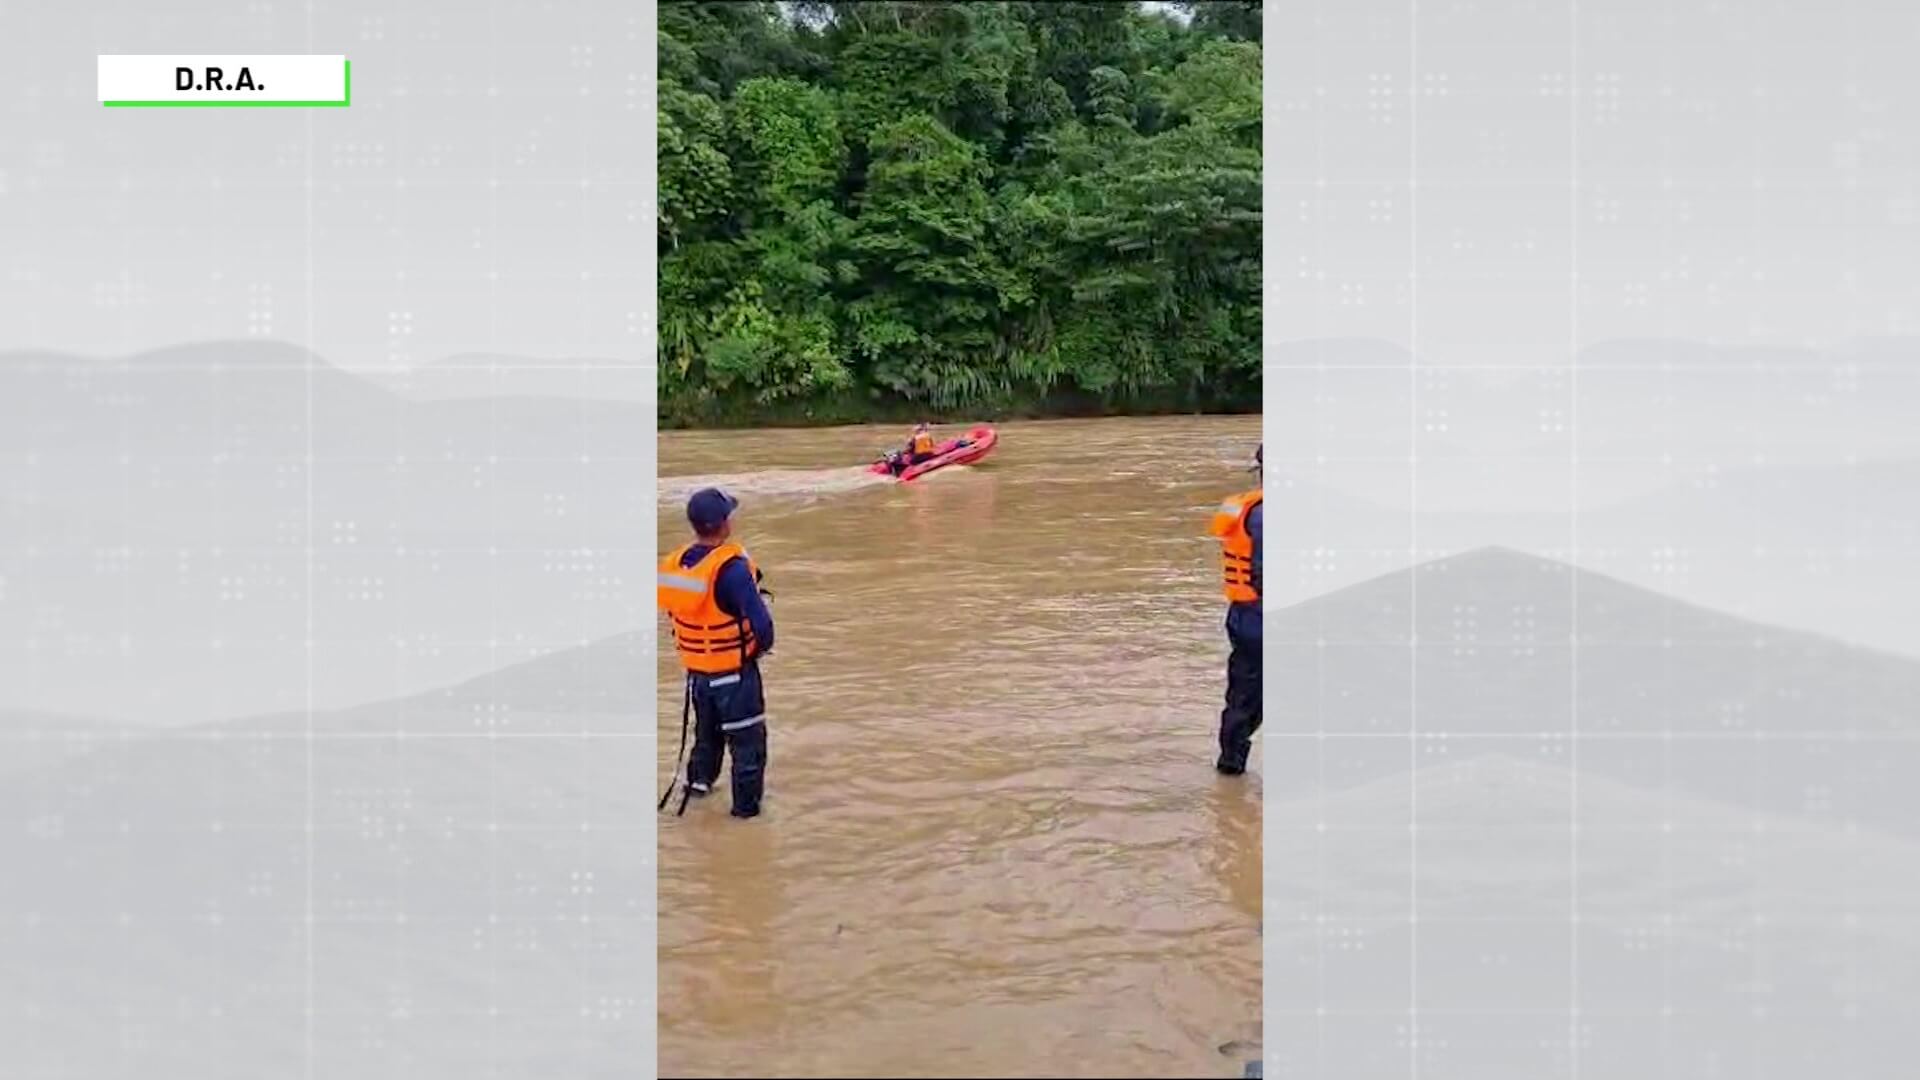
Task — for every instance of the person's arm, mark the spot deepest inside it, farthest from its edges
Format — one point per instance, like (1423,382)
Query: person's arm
(739,595)
(1253,530)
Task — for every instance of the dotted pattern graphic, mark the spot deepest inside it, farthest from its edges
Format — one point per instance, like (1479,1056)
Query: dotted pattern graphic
(1594,691)
(326,523)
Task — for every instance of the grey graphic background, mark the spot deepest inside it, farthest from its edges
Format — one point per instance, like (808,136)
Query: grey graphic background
(326,516)
(1594,678)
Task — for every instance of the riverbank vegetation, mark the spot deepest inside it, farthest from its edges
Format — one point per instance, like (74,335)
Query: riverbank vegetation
(877,210)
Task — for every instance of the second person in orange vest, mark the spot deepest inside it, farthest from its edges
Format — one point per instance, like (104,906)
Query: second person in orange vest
(1238,523)
(710,590)
(920,447)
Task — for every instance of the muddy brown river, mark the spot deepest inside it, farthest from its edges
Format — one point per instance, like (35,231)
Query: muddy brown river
(992,842)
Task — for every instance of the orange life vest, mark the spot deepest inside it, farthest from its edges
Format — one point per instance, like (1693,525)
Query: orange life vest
(1236,546)
(710,641)
(923,442)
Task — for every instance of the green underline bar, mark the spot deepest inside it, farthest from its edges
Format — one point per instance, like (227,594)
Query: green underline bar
(204,104)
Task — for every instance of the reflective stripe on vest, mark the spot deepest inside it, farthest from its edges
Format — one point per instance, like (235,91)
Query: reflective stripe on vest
(1236,547)
(682,582)
(710,641)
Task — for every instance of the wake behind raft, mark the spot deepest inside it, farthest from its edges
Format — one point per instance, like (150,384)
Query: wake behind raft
(965,450)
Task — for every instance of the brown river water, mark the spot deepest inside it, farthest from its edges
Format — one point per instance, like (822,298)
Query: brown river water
(992,842)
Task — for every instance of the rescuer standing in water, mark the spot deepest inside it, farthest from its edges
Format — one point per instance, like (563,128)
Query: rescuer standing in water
(710,590)
(1237,524)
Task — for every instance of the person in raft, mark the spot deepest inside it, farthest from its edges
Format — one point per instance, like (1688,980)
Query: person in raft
(710,590)
(1237,524)
(919,448)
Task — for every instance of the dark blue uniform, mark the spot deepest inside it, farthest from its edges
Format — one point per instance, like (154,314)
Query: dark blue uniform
(730,710)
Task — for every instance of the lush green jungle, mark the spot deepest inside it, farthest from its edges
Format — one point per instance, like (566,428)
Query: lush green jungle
(888,210)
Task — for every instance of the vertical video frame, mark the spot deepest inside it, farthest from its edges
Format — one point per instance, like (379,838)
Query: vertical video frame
(960,528)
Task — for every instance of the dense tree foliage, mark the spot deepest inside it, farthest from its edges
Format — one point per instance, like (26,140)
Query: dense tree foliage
(870,208)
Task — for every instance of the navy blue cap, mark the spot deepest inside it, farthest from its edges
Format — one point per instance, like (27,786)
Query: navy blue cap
(709,508)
